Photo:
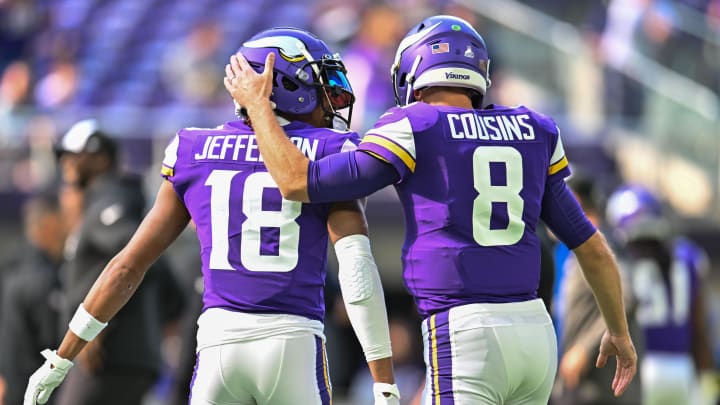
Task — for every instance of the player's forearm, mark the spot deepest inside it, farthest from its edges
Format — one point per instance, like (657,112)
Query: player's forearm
(381,370)
(601,272)
(286,164)
(112,290)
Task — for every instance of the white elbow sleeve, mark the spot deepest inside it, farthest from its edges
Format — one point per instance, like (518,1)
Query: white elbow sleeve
(363,295)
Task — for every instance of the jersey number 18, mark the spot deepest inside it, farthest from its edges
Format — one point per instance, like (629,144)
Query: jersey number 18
(286,258)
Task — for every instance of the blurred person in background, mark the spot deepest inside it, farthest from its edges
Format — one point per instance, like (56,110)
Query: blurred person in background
(624,97)
(57,88)
(32,297)
(19,21)
(107,206)
(367,57)
(473,191)
(667,272)
(581,325)
(190,66)
(15,84)
(260,336)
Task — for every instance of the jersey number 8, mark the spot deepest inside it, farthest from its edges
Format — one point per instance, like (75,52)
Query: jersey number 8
(509,193)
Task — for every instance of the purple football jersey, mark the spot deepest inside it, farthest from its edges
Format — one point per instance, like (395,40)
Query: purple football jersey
(664,303)
(472,184)
(260,253)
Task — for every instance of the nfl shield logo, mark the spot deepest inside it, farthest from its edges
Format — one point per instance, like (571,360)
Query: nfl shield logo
(443,47)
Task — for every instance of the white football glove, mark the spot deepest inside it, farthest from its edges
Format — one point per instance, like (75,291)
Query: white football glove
(46,378)
(379,391)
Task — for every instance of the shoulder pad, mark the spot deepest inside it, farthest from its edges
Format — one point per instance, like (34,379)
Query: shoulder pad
(421,115)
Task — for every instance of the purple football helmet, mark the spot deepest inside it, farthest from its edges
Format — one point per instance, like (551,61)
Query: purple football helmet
(305,69)
(635,213)
(441,51)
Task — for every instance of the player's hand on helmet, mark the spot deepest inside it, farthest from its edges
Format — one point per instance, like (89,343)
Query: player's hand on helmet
(46,378)
(626,359)
(247,86)
(386,394)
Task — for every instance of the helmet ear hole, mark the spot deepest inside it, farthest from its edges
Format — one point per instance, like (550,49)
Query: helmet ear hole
(289,84)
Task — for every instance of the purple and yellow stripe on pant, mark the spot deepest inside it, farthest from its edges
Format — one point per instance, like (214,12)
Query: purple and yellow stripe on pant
(322,372)
(440,360)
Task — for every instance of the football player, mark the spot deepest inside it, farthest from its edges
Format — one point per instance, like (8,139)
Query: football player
(473,184)
(666,272)
(260,337)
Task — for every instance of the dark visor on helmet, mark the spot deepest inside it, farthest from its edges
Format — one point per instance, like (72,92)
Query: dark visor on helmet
(339,89)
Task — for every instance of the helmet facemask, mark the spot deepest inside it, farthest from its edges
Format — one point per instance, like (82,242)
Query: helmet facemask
(334,88)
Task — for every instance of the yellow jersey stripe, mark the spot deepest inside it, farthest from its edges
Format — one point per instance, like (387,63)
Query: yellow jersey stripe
(392,147)
(167,171)
(556,167)
(326,377)
(434,351)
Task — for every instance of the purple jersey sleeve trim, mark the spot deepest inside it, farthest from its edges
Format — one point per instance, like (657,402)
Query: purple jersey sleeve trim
(563,214)
(347,176)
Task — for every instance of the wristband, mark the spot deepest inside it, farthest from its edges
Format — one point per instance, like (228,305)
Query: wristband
(385,388)
(84,325)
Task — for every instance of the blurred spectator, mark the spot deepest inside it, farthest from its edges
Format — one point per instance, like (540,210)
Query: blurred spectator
(14,86)
(57,87)
(368,58)
(185,253)
(623,95)
(667,280)
(579,382)
(124,361)
(192,66)
(19,20)
(32,296)
(14,94)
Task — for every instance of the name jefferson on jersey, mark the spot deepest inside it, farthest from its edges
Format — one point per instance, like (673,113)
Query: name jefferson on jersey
(244,147)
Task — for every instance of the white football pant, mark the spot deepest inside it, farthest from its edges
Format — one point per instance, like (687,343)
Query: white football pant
(258,359)
(480,354)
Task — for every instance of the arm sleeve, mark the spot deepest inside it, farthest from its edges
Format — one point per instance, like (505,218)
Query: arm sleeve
(363,295)
(563,215)
(348,176)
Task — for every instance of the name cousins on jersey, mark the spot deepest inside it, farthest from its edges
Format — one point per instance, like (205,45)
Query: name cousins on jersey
(491,127)
(229,147)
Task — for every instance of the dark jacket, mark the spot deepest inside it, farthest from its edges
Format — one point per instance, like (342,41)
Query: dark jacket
(114,206)
(30,320)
